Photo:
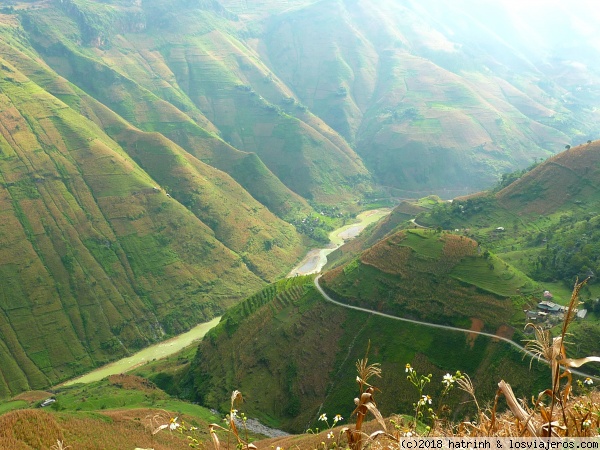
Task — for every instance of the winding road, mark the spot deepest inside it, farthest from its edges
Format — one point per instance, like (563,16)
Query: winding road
(443,327)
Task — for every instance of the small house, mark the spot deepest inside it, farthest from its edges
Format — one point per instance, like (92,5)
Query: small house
(550,307)
(47,402)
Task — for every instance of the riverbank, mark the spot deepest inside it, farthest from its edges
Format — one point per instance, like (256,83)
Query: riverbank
(316,258)
(157,351)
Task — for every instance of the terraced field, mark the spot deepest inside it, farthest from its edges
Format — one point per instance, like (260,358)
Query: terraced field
(427,275)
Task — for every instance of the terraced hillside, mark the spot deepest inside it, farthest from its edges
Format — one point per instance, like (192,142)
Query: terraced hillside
(154,154)
(190,79)
(96,257)
(445,278)
(434,98)
(108,246)
(292,355)
(544,221)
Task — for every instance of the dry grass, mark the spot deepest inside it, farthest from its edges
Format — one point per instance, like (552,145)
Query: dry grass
(127,429)
(387,255)
(33,396)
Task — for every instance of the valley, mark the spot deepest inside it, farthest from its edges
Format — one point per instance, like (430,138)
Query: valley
(223,195)
(177,343)
(316,258)
(158,351)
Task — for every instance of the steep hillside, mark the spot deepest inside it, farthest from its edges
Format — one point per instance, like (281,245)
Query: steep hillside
(545,222)
(292,355)
(429,94)
(96,259)
(566,181)
(126,218)
(561,190)
(154,155)
(167,76)
(443,278)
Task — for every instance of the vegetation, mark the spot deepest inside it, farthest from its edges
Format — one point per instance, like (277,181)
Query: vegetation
(160,160)
(543,222)
(117,412)
(287,384)
(125,427)
(445,278)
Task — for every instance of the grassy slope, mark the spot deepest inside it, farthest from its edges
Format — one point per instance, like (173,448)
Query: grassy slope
(209,83)
(397,218)
(164,110)
(440,278)
(549,212)
(113,413)
(557,193)
(292,355)
(94,259)
(567,181)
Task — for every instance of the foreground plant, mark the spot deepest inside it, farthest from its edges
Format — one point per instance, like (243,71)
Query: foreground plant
(60,445)
(232,429)
(542,420)
(164,421)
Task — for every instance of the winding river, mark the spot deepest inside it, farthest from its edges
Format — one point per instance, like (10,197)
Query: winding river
(313,262)
(315,259)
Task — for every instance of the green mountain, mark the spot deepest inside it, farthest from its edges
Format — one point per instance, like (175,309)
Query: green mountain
(96,259)
(292,354)
(184,64)
(110,241)
(154,155)
(443,278)
(436,98)
(544,221)
(127,215)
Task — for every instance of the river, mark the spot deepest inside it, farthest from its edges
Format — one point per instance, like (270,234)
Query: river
(313,262)
(156,351)
(316,258)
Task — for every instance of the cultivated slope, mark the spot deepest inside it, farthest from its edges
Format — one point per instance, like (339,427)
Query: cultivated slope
(166,69)
(429,103)
(293,355)
(445,278)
